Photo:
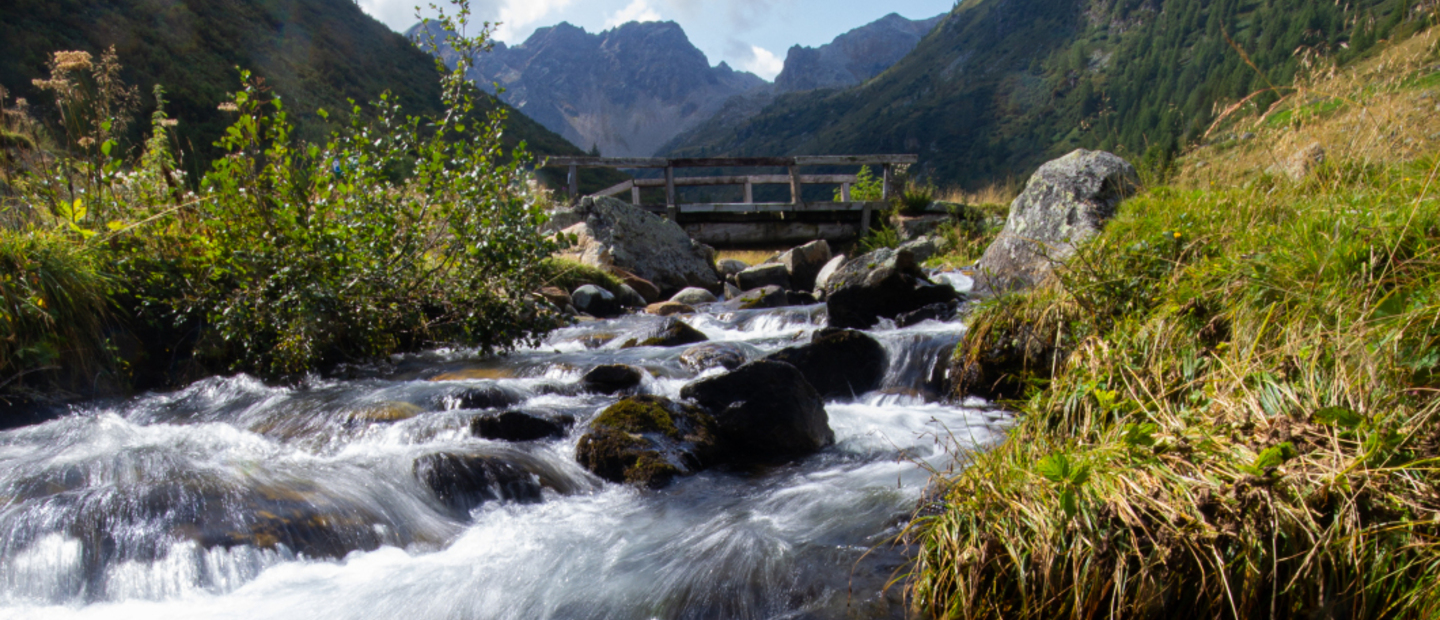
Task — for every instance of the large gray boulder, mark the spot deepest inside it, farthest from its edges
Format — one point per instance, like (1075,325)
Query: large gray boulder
(768,274)
(804,263)
(1066,203)
(882,284)
(838,363)
(617,234)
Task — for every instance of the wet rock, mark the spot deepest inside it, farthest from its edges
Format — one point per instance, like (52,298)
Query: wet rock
(803,263)
(482,397)
(799,298)
(518,426)
(595,301)
(766,297)
(882,284)
(667,308)
(764,410)
(463,482)
(647,441)
(645,288)
(617,234)
(628,298)
(838,364)
(471,374)
(671,332)
(732,291)
(694,297)
(936,312)
(382,413)
(1066,203)
(768,274)
(611,378)
(702,357)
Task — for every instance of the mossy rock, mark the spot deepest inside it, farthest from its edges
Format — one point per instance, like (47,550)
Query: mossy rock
(672,332)
(647,441)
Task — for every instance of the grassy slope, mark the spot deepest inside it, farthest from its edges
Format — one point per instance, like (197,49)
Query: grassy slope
(1001,86)
(315,53)
(1245,424)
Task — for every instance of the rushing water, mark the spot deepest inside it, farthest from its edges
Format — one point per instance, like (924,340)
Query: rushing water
(171,505)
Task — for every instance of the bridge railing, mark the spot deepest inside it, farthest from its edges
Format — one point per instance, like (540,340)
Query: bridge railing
(673,208)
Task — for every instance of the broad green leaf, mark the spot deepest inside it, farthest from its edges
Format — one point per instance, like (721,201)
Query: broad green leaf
(1339,416)
(1275,455)
(1055,468)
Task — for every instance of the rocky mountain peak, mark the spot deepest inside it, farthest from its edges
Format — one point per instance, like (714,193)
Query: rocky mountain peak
(853,57)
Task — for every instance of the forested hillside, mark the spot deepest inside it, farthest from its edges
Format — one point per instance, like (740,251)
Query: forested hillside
(1001,86)
(314,53)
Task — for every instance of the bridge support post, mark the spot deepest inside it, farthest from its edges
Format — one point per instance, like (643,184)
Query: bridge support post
(574,179)
(670,209)
(635,195)
(796,198)
(749,192)
(887,182)
(865,220)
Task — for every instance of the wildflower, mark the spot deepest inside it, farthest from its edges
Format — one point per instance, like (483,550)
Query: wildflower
(86,142)
(169,122)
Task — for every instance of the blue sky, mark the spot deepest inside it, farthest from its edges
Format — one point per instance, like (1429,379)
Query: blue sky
(751,35)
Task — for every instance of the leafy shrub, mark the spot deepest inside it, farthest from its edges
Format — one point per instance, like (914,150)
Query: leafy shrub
(52,301)
(915,199)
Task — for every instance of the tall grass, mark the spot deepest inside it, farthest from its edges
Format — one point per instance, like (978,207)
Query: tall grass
(1241,420)
(52,302)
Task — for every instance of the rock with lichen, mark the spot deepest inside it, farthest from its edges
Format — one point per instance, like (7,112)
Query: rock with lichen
(647,441)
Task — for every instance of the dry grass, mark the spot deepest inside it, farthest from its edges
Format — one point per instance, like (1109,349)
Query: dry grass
(998,193)
(751,256)
(1245,424)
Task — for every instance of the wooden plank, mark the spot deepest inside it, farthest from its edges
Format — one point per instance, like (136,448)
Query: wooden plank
(772,207)
(670,194)
(865,213)
(726,162)
(609,162)
(574,183)
(616,189)
(854,160)
(845,192)
(755,179)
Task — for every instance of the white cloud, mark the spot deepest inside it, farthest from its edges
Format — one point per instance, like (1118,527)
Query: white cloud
(763,62)
(636,11)
(518,16)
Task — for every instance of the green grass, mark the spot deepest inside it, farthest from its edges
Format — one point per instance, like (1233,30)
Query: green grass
(1242,423)
(571,274)
(52,303)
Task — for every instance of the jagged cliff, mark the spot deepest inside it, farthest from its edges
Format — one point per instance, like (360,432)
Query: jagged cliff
(853,57)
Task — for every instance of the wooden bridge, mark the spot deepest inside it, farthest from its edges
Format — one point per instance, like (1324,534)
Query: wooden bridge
(718,222)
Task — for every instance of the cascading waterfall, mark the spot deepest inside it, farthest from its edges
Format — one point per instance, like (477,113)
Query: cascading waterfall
(233,499)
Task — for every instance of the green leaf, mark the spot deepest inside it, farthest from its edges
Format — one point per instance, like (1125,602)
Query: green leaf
(1275,455)
(1069,503)
(1139,435)
(1338,416)
(1055,468)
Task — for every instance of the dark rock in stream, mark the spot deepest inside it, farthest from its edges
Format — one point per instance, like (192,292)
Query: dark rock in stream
(838,363)
(611,378)
(937,311)
(482,397)
(764,410)
(671,332)
(595,301)
(882,284)
(764,297)
(767,274)
(705,356)
(518,426)
(463,481)
(647,441)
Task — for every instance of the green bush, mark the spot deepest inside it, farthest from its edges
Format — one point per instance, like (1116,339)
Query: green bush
(52,304)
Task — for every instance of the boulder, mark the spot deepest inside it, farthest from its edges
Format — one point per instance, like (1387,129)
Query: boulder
(694,296)
(911,227)
(1065,203)
(617,234)
(611,378)
(764,410)
(938,312)
(838,363)
(766,274)
(667,308)
(730,266)
(766,297)
(556,296)
(702,357)
(1302,162)
(882,284)
(518,426)
(647,441)
(640,285)
(628,298)
(922,248)
(671,332)
(481,397)
(595,301)
(732,291)
(463,482)
(382,413)
(799,298)
(804,263)
(828,270)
